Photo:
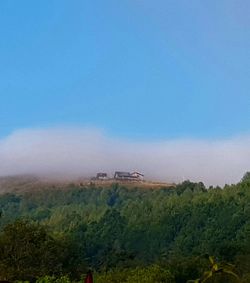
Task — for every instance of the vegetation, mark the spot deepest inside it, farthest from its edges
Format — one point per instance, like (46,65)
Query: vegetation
(127,234)
(218,272)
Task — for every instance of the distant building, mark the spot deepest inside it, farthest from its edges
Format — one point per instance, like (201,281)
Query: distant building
(138,175)
(127,176)
(101,176)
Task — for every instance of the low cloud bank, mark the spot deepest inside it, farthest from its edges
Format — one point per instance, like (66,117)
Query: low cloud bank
(83,152)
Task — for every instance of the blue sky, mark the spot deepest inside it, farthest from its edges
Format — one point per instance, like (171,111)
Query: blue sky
(137,69)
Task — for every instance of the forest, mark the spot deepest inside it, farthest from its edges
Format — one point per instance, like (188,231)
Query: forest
(174,234)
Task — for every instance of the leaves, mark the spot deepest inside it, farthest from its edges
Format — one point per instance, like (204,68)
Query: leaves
(118,227)
(28,251)
(215,269)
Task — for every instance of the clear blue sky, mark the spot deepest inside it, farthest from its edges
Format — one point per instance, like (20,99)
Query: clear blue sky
(138,69)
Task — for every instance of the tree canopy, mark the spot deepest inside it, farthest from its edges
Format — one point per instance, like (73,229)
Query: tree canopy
(120,230)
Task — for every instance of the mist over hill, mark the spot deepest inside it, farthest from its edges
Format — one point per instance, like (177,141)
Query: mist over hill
(68,153)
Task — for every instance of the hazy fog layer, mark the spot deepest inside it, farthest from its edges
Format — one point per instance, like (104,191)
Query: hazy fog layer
(83,152)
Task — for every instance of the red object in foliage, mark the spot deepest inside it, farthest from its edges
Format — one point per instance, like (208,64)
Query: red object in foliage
(89,277)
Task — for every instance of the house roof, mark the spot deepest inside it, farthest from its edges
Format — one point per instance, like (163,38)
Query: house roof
(138,173)
(119,173)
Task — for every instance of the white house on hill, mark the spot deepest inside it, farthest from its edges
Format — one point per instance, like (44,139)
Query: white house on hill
(127,176)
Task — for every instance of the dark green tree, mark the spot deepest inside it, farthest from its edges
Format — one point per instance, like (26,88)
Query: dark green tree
(28,252)
(246,178)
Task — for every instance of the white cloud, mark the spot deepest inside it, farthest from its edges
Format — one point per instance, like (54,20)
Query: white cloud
(83,152)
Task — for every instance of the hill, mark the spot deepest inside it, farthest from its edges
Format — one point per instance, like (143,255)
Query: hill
(114,227)
(25,183)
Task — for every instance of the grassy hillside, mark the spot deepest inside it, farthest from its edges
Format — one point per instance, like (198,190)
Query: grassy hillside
(24,183)
(116,227)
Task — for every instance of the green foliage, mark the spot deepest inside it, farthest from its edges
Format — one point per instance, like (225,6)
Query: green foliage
(27,252)
(106,238)
(151,274)
(218,273)
(123,229)
(246,178)
(53,279)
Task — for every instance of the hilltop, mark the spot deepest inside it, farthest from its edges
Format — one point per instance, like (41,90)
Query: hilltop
(26,183)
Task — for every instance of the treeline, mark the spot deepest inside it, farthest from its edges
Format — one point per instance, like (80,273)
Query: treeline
(123,233)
